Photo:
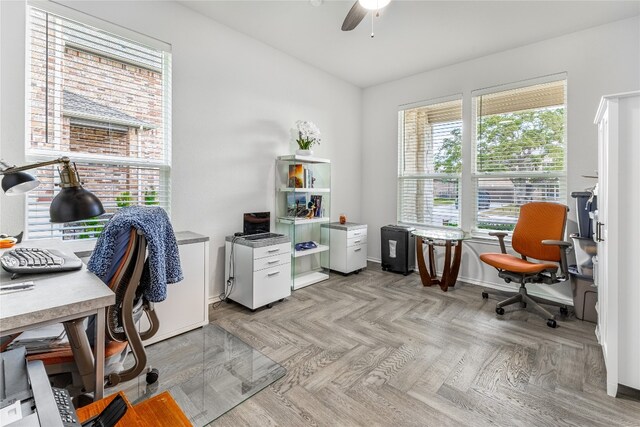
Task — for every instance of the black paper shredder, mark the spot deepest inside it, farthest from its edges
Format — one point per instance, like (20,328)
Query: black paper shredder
(398,251)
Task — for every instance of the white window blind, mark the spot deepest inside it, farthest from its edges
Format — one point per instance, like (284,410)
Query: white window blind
(519,151)
(430,141)
(104,101)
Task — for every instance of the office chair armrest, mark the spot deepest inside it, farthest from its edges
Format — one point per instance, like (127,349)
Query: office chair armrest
(500,235)
(564,247)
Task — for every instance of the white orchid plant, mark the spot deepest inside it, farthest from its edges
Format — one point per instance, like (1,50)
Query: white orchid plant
(308,134)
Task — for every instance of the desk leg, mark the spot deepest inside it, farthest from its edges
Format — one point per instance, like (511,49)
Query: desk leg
(99,354)
(446,270)
(422,267)
(455,267)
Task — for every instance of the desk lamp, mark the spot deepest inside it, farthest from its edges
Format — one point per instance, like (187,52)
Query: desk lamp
(73,203)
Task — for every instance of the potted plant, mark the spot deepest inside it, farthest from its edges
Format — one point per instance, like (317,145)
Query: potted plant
(308,135)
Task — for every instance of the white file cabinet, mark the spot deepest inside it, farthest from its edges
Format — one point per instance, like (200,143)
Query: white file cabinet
(348,246)
(257,273)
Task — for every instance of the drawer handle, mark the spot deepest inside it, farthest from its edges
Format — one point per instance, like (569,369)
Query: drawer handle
(273,250)
(357,241)
(273,262)
(359,249)
(273,274)
(356,234)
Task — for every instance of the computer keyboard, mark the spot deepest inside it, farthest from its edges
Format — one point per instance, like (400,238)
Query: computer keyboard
(36,260)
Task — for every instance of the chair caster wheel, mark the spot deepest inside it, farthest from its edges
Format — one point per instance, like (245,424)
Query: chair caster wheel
(500,310)
(270,305)
(485,295)
(281,299)
(564,311)
(507,280)
(523,304)
(152,376)
(551,323)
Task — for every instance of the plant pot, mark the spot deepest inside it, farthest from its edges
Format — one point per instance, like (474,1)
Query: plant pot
(304,152)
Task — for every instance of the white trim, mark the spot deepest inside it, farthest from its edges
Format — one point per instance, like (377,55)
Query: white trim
(432,101)
(84,18)
(36,155)
(521,84)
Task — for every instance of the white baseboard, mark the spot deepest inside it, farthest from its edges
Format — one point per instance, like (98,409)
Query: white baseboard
(213,300)
(376,260)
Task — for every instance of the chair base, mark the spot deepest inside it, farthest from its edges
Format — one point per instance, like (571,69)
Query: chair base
(525,300)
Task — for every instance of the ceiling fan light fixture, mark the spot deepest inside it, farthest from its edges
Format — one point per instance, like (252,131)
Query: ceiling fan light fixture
(373,4)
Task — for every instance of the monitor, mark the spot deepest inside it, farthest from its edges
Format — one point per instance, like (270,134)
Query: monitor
(257,222)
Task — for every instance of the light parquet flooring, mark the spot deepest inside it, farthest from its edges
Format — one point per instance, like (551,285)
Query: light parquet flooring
(379,349)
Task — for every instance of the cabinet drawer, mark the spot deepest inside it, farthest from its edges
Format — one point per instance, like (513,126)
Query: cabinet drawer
(358,240)
(271,284)
(356,257)
(271,261)
(356,233)
(271,250)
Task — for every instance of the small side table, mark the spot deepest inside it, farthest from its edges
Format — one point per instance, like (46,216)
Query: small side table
(450,239)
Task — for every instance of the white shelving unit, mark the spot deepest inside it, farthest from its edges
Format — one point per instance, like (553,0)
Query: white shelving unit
(299,181)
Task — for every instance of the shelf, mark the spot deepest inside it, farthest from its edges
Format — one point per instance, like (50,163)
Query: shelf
(308,278)
(303,159)
(320,248)
(304,190)
(300,221)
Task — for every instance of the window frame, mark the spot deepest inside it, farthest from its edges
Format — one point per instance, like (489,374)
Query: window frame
(562,176)
(426,176)
(163,165)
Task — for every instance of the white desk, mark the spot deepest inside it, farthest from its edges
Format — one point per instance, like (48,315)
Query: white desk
(57,298)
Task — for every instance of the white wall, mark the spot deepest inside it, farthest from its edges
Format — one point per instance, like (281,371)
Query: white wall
(598,61)
(234,103)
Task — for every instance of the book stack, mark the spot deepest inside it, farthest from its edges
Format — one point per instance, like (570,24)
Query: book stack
(300,177)
(317,202)
(42,340)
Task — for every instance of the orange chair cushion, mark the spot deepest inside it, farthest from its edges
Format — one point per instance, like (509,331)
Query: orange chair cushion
(539,221)
(66,356)
(517,265)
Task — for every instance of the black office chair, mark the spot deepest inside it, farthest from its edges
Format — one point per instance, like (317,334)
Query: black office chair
(121,327)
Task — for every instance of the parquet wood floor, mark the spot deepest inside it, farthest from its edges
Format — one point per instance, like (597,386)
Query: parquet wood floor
(379,349)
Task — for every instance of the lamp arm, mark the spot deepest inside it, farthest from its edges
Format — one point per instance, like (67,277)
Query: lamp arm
(13,169)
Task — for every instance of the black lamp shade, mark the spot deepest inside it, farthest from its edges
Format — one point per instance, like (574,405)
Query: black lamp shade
(18,183)
(74,204)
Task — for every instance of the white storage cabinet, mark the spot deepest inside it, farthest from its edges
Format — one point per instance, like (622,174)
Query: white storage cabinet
(261,274)
(618,234)
(348,247)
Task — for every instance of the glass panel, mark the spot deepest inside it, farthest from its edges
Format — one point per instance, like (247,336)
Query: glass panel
(115,186)
(430,201)
(208,371)
(499,199)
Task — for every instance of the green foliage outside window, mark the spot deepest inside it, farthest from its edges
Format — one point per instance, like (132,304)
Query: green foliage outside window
(93,227)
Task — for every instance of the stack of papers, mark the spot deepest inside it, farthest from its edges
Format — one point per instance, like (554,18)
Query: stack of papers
(42,340)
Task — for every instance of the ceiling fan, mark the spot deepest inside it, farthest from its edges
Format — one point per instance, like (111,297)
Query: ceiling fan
(359,10)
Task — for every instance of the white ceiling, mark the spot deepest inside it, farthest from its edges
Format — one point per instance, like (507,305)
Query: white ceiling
(410,36)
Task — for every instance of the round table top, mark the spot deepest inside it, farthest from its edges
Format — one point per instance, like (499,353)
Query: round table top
(441,234)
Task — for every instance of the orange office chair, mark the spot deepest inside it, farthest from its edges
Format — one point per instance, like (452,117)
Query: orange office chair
(538,235)
(77,362)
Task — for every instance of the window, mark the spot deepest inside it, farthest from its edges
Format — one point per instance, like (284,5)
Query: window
(519,151)
(430,141)
(104,101)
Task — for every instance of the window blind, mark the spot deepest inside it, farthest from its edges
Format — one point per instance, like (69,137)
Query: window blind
(430,163)
(103,101)
(519,151)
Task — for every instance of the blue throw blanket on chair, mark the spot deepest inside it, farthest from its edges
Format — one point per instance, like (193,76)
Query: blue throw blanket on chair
(163,261)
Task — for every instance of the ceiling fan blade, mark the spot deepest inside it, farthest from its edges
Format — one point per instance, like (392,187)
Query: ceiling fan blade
(354,17)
